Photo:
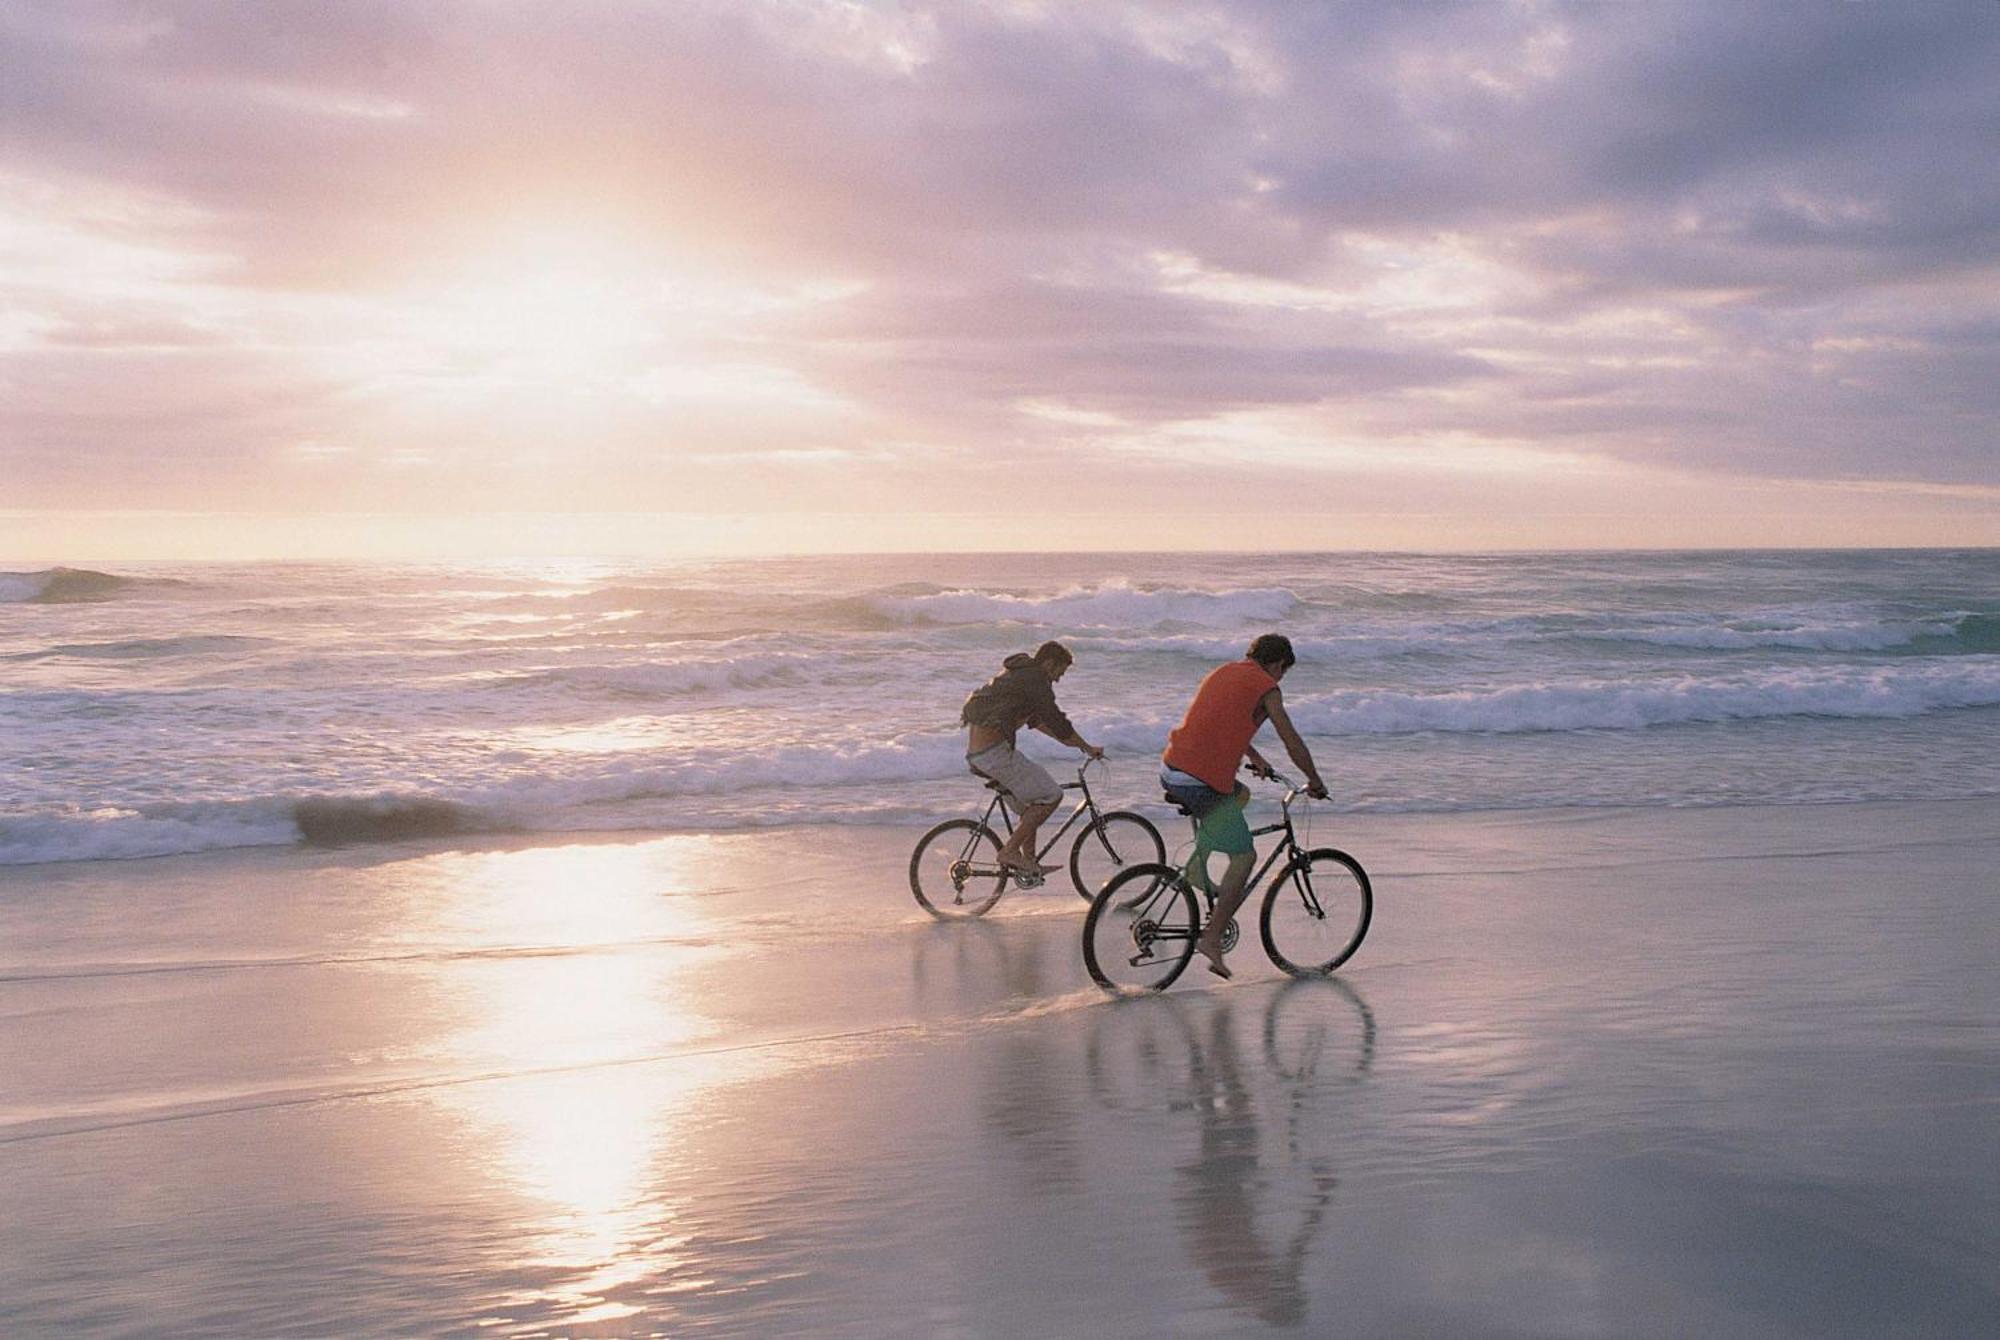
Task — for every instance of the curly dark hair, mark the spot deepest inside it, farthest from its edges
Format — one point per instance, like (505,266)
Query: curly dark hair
(1273,649)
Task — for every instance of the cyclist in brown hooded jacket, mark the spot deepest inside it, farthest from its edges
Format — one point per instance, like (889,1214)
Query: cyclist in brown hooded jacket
(1022,694)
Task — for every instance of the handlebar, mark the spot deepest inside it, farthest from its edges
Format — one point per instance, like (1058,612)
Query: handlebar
(1082,768)
(1293,790)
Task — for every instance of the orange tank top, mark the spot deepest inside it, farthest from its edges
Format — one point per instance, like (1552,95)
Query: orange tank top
(1210,740)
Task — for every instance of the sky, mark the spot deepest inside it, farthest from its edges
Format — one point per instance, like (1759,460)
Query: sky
(400,277)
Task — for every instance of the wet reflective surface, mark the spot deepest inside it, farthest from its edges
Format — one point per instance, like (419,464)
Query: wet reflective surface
(1702,1072)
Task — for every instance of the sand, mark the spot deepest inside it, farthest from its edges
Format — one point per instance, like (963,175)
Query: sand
(1716,1072)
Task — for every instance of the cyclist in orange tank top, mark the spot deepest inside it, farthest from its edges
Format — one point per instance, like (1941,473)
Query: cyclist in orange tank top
(1200,763)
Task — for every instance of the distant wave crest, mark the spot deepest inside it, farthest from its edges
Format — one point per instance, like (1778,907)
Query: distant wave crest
(1971,632)
(69,586)
(1114,604)
(653,679)
(1886,692)
(148,648)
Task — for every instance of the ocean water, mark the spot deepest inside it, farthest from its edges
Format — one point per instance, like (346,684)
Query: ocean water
(155,709)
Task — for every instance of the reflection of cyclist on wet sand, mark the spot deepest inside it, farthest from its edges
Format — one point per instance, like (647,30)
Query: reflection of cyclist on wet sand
(1219,1196)
(1022,694)
(1201,759)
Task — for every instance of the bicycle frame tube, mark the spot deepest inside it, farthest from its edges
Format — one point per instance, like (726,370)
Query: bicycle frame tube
(1007,817)
(1067,824)
(1288,848)
(1284,848)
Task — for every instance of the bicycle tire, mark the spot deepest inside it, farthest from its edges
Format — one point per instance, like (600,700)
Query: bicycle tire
(937,878)
(1316,912)
(1136,941)
(1115,841)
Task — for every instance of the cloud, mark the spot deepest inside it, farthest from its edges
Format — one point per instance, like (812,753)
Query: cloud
(1744,240)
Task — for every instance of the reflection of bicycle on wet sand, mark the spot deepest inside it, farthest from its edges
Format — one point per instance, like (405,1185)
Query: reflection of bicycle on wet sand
(1254,1192)
(1142,925)
(955,870)
(1317,1032)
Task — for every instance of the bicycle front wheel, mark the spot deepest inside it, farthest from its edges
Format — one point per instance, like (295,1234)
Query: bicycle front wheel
(1140,930)
(1116,841)
(1316,912)
(955,870)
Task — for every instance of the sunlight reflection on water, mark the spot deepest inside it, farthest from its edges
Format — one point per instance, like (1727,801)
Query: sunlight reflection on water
(582,1146)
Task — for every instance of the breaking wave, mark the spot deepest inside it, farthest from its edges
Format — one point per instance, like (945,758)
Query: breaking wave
(279,821)
(338,820)
(1974,633)
(537,802)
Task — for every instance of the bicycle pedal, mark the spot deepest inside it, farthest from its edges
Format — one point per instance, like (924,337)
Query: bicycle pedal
(1027,881)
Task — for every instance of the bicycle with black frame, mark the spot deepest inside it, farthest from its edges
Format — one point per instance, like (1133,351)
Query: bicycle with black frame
(1142,926)
(955,870)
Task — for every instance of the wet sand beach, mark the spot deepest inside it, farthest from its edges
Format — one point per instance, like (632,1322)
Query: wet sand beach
(1726,1071)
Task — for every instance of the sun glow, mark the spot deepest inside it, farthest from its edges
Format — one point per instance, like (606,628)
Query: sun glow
(561,307)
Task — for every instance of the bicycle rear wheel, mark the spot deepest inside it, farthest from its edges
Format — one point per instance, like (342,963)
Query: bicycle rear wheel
(1316,912)
(1140,930)
(1117,840)
(955,870)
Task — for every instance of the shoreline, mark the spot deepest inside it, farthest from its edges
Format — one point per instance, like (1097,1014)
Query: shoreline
(512,839)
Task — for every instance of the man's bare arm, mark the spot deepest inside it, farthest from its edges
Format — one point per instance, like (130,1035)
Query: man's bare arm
(1274,707)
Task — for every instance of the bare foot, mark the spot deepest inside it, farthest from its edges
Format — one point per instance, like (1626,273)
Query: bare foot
(1214,957)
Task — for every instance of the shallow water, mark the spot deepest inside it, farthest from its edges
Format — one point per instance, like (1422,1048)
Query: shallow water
(1611,1073)
(170,709)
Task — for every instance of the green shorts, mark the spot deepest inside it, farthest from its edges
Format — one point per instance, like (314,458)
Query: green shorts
(1220,825)
(1225,829)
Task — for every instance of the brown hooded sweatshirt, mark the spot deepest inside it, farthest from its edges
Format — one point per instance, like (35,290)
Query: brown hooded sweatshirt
(1020,695)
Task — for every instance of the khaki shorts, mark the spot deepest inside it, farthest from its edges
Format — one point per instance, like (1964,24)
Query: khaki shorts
(1025,780)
